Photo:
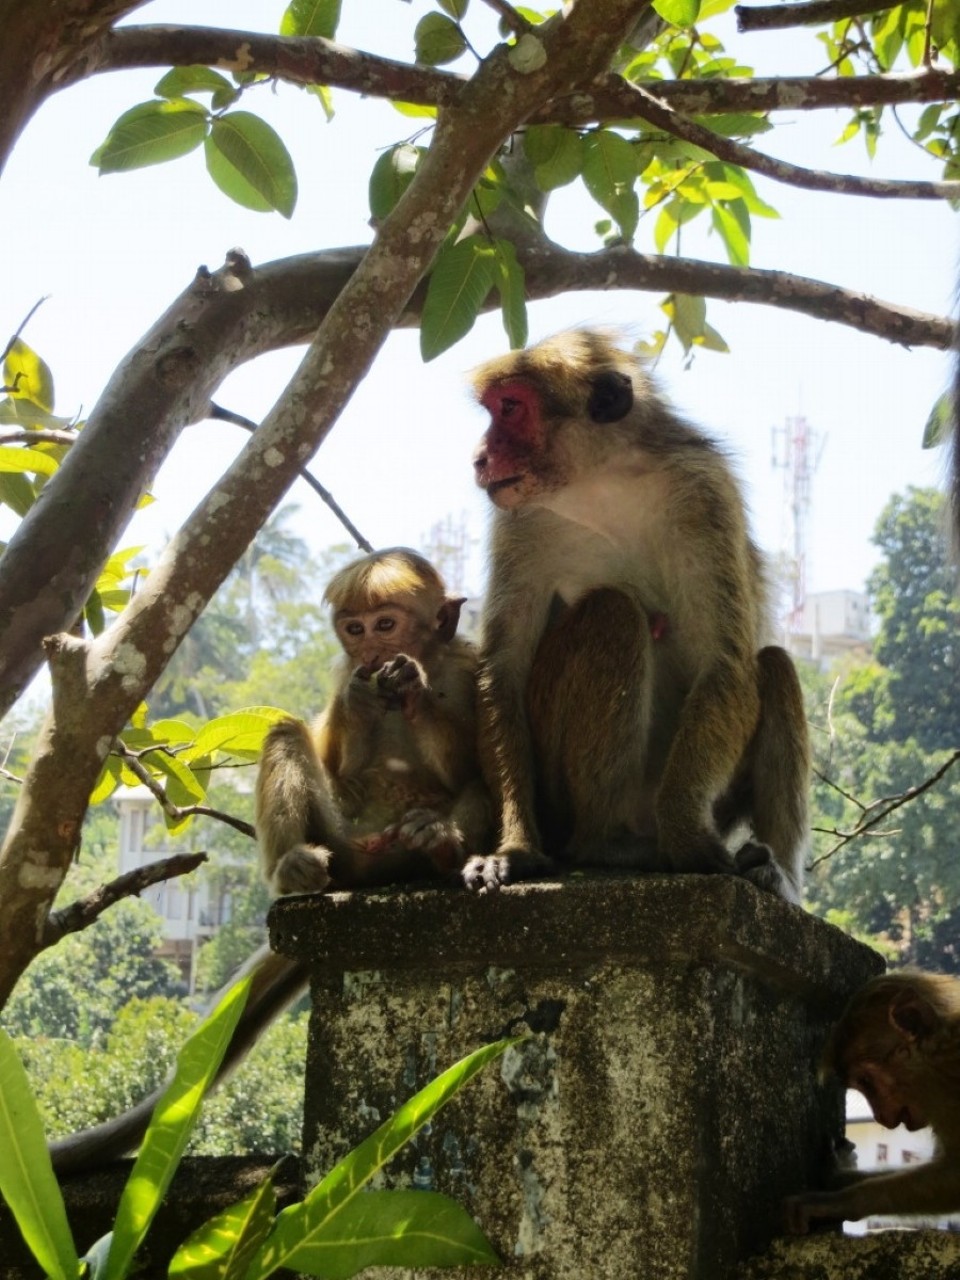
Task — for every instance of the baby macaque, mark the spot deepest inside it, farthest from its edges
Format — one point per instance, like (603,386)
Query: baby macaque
(386,786)
(898,1043)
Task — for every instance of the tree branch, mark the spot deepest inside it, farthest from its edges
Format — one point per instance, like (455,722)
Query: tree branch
(134,762)
(78,915)
(316,61)
(883,807)
(773,17)
(663,116)
(218,413)
(29,436)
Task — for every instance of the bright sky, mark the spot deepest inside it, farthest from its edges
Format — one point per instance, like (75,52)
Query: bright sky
(113,252)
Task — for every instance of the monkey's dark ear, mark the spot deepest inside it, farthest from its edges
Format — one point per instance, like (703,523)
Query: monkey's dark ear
(912,1016)
(611,397)
(448,617)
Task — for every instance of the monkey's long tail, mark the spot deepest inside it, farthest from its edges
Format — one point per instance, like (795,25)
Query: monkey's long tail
(277,983)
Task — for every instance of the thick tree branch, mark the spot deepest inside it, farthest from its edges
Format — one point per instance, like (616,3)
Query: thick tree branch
(662,115)
(317,61)
(807,13)
(78,915)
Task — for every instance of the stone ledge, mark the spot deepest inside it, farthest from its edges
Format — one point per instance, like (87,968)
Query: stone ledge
(581,919)
(883,1255)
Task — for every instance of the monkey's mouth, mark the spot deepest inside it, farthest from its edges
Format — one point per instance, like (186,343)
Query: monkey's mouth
(496,486)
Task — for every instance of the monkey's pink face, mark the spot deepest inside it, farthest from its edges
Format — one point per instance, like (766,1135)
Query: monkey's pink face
(508,463)
(372,637)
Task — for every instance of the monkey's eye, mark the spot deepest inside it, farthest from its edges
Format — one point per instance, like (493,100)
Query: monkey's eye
(509,406)
(353,628)
(385,624)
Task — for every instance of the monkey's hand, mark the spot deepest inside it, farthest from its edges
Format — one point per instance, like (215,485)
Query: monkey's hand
(303,869)
(756,863)
(399,683)
(429,832)
(483,874)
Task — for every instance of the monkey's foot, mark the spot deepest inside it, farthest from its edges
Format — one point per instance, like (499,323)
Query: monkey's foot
(803,1212)
(303,869)
(756,863)
(490,872)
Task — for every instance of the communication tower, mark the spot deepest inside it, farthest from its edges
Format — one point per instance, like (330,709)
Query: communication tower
(796,451)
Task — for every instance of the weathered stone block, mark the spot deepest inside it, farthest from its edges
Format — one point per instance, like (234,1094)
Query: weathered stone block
(665,1100)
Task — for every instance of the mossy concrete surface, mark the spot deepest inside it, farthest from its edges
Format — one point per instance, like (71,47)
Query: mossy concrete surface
(665,1099)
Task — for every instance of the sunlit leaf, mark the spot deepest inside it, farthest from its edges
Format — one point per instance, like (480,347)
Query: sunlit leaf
(438,39)
(222,1248)
(939,425)
(16,492)
(462,277)
(736,243)
(248,161)
(151,133)
(415,110)
(174,1118)
(324,95)
(311,18)
(27,376)
(394,1229)
(108,781)
(680,13)
(302,1225)
(392,174)
(27,1182)
(16,458)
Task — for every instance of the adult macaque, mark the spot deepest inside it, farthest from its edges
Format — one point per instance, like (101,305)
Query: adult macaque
(630,715)
(387,785)
(898,1042)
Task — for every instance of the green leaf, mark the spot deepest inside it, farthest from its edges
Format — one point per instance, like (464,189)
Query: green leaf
(240,732)
(108,781)
(16,492)
(680,13)
(248,161)
(27,376)
(93,613)
(459,283)
(169,1132)
(27,1181)
(609,173)
(391,175)
(735,124)
(556,154)
(324,96)
(16,458)
(415,110)
(299,1226)
(513,303)
(152,133)
(731,231)
(183,787)
(457,9)
(939,425)
(394,1229)
(311,18)
(180,81)
(712,340)
(438,39)
(223,1247)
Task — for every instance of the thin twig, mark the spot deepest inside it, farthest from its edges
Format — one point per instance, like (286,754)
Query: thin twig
(21,326)
(44,436)
(176,812)
(220,414)
(663,116)
(887,805)
(78,915)
(515,21)
(775,16)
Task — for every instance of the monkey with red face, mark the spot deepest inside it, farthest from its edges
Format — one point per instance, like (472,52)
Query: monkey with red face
(631,712)
(387,785)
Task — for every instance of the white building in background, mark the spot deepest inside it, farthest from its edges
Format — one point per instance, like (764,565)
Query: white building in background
(190,909)
(831,623)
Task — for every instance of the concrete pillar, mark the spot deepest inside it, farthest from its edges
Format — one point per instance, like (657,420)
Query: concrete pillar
(665,1101)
